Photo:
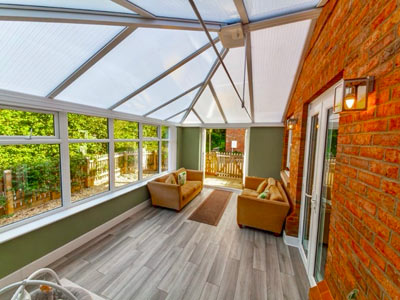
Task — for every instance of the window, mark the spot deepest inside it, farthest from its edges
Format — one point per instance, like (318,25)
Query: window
(126,152)
(36,148)
(88,154)
(30,172)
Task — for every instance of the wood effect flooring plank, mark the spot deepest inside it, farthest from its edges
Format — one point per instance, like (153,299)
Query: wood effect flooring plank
(184,278)
(259,290)
(300,276)
(274,284)
(245,276)
(229,280)
(290,291)
(210,292)
(285,263)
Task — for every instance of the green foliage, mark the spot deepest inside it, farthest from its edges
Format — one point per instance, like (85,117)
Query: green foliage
(353,294)
(126,129)
(20,123)
(217,140)
(150,131)
(87,127)
(164,132)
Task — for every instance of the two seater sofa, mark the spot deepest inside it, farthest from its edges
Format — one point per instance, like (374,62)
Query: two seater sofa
(267,214)
(175,196)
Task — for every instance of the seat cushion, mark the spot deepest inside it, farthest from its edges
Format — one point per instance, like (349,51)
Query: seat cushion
(261,187)
(189,188)
(249,192)
(170,179)
(163,178)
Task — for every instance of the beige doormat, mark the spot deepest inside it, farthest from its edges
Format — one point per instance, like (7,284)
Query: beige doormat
(212,208)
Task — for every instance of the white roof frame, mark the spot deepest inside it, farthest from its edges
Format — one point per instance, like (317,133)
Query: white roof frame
(136,9)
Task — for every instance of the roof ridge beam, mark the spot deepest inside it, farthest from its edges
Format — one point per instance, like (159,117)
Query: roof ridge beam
(91,61)
(216,99)
(210,74)
(174,99)
(133,7)
(164,74)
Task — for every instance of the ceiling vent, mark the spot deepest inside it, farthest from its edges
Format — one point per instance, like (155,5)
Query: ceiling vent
(232,36)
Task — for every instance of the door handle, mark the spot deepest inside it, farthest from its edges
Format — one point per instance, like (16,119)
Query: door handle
(314,202)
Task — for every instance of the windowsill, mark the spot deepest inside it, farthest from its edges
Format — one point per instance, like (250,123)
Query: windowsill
(285,178)
(62,213)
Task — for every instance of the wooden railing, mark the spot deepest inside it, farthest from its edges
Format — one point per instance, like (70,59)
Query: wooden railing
(224,164)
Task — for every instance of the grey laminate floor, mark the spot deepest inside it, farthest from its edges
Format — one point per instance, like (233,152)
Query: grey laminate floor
(159,254)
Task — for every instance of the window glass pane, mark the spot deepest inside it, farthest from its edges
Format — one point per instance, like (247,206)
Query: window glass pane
(87,127)
(89,169)
(35,57)
(126,130)
(164,132)
(207,108)
(210,10)
(25,123)
(262,9)
(150,158)
(172,108)
(126,163)
(150,131)
(164,156)
(142,56)
(192,119)
(179,81)
(30,181)
(99,5)
(277,49)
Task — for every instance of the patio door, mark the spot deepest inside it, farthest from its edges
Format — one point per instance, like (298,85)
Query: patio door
(319,166)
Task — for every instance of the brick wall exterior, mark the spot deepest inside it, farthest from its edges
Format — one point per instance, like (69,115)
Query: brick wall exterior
(235,134)
(356,38)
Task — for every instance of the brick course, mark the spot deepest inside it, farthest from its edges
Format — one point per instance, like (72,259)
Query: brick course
(356,38)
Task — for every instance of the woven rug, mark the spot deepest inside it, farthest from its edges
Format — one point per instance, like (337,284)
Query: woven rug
(212,208)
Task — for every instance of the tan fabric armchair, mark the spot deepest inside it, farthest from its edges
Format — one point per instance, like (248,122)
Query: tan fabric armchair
(175,196)
(266,214)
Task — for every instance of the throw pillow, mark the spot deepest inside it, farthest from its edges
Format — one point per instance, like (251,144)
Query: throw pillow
(182,178)
(263,195)
(261,186)
(171,179)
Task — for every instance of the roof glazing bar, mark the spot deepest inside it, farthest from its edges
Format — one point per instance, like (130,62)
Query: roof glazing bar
(91,61)
(215,96)
(164,74)
(197,115)
(242,11)
(173,99)
(249,64)
(174,115)
(210,74)
(133,7)
(196,11)
(76,16)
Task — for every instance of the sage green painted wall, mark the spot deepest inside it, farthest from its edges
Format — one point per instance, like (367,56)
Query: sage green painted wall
(265,151)
(189,145)
(23,250)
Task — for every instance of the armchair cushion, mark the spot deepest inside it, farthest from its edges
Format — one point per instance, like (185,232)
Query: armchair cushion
(182,178)
(275,193)
(261,186)
(171,179)
(249,192)
(177,172)
(189,188)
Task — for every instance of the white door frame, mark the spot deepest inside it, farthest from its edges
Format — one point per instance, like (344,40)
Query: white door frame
(319,106)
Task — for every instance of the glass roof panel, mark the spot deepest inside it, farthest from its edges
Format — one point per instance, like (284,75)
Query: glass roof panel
(192,119)
(36,57)
(276,53)
(97,5)
(177,118)
(210,10)
(142,56)
(207,108)
(262,9)
(172,108)
(182,79)
(226,94)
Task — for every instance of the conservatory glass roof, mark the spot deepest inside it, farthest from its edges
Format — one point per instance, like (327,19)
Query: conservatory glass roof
(152,59)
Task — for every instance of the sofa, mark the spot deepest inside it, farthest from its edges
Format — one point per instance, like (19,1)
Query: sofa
(267,212)
(166,192)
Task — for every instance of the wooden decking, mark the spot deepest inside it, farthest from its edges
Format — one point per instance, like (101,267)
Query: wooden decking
(235,183)
(159,254)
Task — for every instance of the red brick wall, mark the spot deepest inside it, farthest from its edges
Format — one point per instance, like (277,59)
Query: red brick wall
(235,134)
(355,38)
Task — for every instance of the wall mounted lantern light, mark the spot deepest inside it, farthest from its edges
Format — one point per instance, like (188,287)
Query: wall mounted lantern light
(353,95)
(291,123)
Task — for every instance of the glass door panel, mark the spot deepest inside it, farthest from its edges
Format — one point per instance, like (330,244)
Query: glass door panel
(310,181)
(326,193)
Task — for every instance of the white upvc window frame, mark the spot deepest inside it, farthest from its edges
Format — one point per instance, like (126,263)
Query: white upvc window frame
(61,138)
(288,150)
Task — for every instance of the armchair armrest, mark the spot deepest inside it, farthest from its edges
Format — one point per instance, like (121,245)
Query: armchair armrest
(165,194)
(194,175)
(252,182)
